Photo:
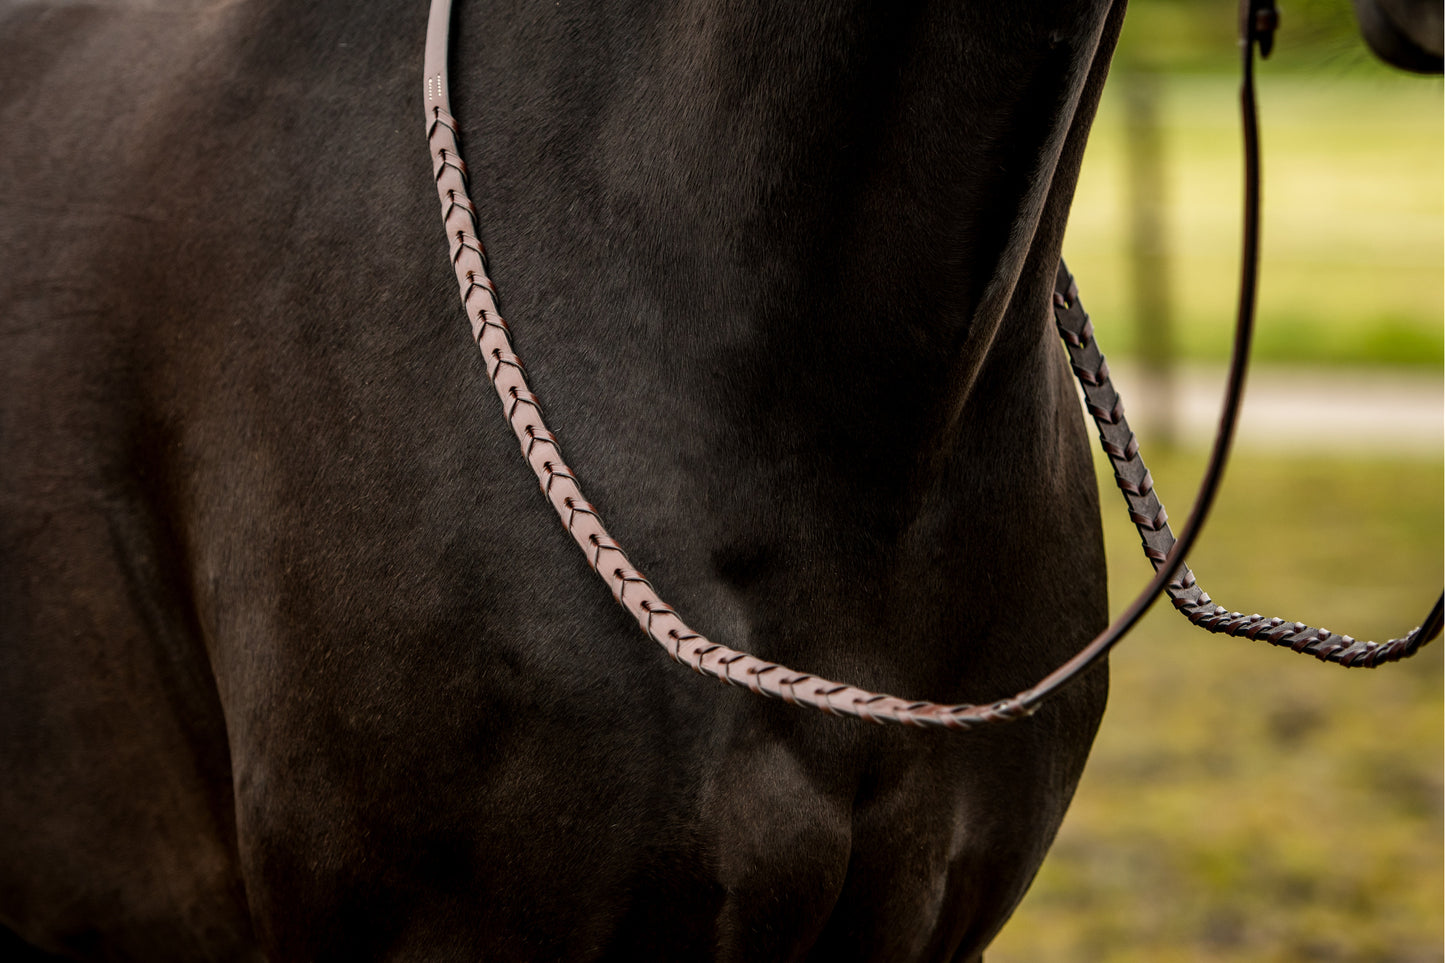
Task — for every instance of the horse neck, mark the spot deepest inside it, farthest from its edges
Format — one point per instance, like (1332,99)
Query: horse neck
(831,206)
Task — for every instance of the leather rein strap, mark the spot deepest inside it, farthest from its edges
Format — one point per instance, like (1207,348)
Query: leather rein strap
(663,624)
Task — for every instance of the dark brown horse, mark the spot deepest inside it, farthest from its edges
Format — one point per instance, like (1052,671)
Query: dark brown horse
(295,662)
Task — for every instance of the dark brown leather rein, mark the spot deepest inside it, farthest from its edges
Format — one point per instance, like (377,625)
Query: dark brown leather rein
(662,623)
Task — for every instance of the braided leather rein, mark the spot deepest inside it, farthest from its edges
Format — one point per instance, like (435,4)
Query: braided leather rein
(662,623)
(1148,515)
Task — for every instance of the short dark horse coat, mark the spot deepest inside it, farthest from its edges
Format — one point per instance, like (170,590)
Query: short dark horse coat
(296,661)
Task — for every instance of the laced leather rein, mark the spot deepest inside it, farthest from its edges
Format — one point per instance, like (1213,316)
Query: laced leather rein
(663,624)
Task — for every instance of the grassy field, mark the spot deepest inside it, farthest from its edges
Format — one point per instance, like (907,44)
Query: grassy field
(1353,246)
(1244,803)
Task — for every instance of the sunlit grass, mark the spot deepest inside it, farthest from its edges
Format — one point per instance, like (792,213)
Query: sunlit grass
(1244,803)
(1353,249)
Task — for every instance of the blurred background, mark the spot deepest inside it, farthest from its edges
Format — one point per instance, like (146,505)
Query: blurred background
(1244,803)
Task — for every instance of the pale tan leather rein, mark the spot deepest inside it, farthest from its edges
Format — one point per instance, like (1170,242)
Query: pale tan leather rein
(663,624)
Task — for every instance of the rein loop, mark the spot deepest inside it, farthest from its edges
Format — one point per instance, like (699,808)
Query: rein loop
(662,623)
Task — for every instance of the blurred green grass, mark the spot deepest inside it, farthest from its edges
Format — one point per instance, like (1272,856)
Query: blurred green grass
(1353,252)
(1244,803)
